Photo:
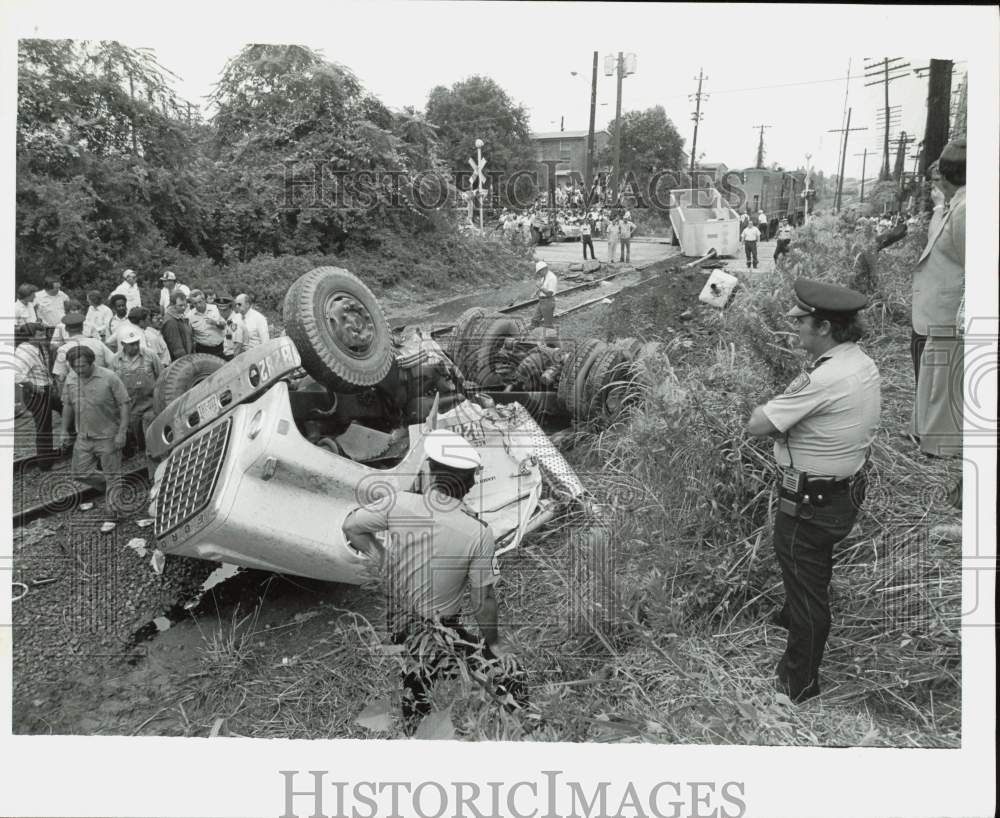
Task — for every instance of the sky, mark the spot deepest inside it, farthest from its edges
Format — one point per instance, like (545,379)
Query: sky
(793,83)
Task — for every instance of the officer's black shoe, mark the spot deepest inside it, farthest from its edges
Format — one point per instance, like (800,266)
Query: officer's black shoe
(802,696)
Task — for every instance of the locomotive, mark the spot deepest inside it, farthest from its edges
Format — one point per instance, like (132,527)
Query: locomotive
(777,192)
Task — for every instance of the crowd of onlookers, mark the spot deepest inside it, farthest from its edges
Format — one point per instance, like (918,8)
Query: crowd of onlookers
(97,363)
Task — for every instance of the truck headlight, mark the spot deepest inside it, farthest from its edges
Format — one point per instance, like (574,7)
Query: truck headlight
(256,424)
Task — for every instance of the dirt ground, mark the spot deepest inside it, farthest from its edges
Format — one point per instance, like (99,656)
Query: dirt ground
(109,648)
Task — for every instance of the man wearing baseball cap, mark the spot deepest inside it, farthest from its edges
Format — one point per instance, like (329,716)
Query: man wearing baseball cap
(545,292)
(823,424)
(73,321)
(435,548)
(170,284)
(138,369)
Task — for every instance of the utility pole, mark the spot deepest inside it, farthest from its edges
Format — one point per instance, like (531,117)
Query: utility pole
(864,162)
(843,157)
(808,188)
(619,68)
(843,115)
(883,69)
(936,130)
(760,146)
(696,116)
(589,171)
(902,143)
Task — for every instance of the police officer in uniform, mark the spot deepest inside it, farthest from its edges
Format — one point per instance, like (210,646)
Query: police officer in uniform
(435,548)
(823,425)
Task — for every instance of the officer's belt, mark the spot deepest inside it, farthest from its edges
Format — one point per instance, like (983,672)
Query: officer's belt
(829,485)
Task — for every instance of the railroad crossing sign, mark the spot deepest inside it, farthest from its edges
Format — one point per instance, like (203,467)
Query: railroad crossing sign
(477,172)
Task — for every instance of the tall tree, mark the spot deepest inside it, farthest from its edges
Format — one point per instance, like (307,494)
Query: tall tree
(649,143)
(478,108)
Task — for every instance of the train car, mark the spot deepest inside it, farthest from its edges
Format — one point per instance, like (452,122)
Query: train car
(778,193)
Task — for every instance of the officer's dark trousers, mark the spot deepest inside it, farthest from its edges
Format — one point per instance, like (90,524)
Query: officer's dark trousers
(805,553)
(751,250)
(430,665)
(588,242)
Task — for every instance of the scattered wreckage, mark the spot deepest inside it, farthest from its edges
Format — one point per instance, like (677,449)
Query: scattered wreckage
(259,460)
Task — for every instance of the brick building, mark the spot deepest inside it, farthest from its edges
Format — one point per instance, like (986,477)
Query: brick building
(569,149)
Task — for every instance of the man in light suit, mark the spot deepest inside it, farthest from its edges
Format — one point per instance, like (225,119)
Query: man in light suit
(938,288)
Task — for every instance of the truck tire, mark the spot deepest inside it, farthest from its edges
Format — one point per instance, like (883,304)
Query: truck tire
(575,377)
(458,343)
(489,337)
(566,376)
(339,328)
(182,375)
(536,235)
(606,386)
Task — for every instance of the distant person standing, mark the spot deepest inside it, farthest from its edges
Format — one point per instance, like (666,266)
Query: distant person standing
(149,321)
(33,376)
(119,318)
(130,289)
(750,236)
(50,303)
(253,331)
(585,238)
(234,323)
(744,223)
(138,369)
(784,240)
(206,324)
(625,231)
(176,328)
(614,236)
(24,306)
(545,292)
(96,414)
(97,322)
(762,225)
(170,284)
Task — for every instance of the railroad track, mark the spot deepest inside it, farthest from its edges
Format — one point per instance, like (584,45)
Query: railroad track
(68,500)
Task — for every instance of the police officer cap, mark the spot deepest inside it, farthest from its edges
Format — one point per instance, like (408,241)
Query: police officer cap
(540,265)
(130,335)
(168,276)
(819,299)
(451,449)
(73,319)
(223,301)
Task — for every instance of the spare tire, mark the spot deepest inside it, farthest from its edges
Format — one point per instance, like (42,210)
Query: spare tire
(339,328)
(575,377)
(457,345)
(607,385)
(182,375)
(490,335)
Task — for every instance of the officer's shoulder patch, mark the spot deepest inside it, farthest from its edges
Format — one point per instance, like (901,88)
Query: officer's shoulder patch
(801,382)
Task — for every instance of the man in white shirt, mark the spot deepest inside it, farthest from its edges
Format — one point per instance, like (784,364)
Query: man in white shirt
(762,225)
(545,292)
(207,325)
(119,319)
(98,320)
(50,303)
(750,236)
(170,283)
(74,328)
(130,289)
(24,306)
(253,331)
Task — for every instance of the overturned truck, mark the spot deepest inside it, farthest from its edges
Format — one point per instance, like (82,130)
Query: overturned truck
(259,460)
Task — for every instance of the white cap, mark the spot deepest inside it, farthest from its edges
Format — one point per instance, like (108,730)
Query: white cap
(168,276)
(130,335)
(540,265)
(451,449)
(127,273)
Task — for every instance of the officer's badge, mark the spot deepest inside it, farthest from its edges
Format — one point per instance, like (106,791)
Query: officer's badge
(801,382)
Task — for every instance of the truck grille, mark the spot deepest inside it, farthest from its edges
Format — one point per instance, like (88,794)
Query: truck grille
(190,477)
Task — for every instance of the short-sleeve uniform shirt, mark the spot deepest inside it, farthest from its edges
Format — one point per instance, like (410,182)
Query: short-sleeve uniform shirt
(829,415)
(97,402)
(435,548)
(50,308)
(102,355)
(550,282)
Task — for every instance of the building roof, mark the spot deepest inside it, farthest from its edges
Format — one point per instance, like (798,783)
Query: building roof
(712,165)
(560,135)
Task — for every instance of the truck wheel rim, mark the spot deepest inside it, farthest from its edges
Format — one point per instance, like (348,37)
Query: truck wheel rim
(352,326)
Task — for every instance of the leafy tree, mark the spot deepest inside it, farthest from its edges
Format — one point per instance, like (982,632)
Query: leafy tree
(106,172)
(649,143)
(478,108)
